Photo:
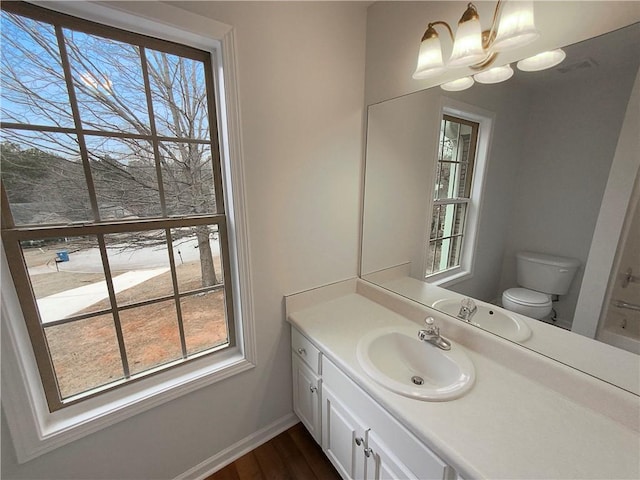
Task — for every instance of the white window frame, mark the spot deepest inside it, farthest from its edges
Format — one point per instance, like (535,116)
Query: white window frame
(485,120)
(33,428)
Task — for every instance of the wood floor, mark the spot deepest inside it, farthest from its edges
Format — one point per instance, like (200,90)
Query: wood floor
(292,455)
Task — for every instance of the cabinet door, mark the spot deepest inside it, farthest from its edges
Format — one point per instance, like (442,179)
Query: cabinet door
(306,397)
(343,437)
(381,463)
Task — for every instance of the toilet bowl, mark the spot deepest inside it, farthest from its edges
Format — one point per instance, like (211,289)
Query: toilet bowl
(527,302)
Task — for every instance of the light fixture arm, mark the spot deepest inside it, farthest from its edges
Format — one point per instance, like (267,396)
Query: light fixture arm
(431,32)
(488,36)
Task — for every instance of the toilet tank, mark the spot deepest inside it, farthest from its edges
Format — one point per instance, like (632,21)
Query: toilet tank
(546,273)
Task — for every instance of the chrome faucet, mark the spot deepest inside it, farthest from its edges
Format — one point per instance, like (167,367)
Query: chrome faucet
(431,334)
(468,309)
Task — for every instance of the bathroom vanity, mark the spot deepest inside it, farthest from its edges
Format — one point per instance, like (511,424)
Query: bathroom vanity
(522,416)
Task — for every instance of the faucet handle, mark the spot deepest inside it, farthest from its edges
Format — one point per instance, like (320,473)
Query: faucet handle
(432,328)
(468,302)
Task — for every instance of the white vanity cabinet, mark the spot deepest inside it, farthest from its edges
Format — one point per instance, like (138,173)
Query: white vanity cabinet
(306,382)
(363,441)
(360,438)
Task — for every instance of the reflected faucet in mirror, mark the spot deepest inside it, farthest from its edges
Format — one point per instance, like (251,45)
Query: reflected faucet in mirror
(468,309)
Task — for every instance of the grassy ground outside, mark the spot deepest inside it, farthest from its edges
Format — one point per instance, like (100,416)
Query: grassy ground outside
(86,354)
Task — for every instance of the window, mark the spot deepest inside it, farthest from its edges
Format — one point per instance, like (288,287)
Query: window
(457,189)
(113,211)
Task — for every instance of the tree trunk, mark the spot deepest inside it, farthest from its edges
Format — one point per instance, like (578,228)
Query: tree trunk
(207,268)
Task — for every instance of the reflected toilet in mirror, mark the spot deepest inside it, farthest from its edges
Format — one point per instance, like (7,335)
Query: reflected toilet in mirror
(541,278)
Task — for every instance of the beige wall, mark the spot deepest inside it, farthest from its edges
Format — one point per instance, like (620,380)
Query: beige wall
(301,81)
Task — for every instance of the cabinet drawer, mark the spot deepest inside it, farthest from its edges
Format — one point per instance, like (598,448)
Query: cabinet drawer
(305,350)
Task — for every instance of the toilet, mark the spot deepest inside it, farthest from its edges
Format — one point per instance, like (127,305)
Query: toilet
(540,277)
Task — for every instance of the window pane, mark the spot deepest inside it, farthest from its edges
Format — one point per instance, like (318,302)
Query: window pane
(33,86)
(197,256)
(85,354)
(139,264)
(179,95)
(124,176)
(448,180)
(44,178)
(451,219)
(435,222)
(433,256)
(445,246)
(205,323)
(463,188)
(187,175)
(465,143)
(455,251)
(107,77)
(449,140)
(66,275)
(151,335)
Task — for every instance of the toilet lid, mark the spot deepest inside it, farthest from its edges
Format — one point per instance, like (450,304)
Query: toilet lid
(527,297)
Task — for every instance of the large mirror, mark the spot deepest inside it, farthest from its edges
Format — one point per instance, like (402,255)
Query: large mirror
(552,169)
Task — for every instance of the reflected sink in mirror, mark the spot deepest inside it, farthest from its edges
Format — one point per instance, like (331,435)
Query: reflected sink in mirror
(489,317)
(397,360)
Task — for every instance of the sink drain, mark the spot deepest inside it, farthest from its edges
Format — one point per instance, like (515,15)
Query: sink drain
(417,380)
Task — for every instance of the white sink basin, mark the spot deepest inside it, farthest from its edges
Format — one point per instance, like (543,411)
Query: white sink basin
(397,360)
(489,317)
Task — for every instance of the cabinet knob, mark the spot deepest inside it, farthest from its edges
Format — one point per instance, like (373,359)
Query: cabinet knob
(359,441)
(313,389)
(302,351)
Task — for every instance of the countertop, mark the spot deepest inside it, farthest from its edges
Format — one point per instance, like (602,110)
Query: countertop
(507,426)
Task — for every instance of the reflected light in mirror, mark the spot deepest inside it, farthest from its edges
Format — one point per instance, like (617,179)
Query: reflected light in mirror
(542,61)
(458,84)
(495,74)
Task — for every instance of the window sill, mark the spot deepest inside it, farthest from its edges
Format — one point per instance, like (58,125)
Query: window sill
(449,277)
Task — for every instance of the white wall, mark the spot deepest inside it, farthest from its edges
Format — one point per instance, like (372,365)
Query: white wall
(301,82)
(610,224)
(402,135)
(571,133)
(394,30)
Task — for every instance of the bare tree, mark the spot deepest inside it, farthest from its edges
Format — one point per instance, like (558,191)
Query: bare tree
(113,82)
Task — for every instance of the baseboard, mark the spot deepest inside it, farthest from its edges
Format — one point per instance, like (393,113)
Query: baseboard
(238,449)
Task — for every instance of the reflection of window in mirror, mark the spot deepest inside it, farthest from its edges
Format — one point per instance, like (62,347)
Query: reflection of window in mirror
(459,168)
